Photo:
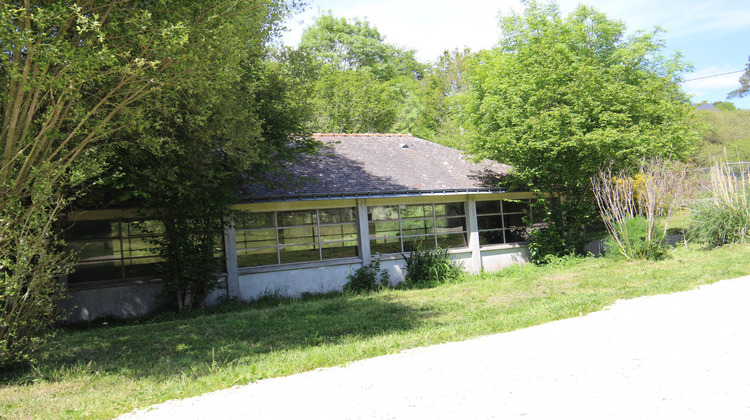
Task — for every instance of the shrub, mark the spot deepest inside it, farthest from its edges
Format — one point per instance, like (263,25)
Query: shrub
(724,217)
(368,278)
(430,266)
(635,241)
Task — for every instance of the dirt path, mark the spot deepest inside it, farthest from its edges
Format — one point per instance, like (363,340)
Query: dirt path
(678,356)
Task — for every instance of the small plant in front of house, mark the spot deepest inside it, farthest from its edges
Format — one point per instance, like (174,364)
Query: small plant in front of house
(368,278)
(430,267)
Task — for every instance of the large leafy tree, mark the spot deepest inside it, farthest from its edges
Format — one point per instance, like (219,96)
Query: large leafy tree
(75,75)
(562,96)
(744,88)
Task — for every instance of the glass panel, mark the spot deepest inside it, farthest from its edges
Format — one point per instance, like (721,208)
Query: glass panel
(488,207)
(333,232)
(491,237)
(257,257)
(513,220)
(85,272)
(101,249)
(296,218)
(377,213)
(254,220)
(516,235)
(515,207)
(450,209)
(421,242)
(144,268)
(417,226)
(381,229)
(92,229)
(452,240)
(490,222)
(300,235)
(337,215)
(451,224)
(408,212)
(385,246)
(137,247)
(142,228)
(300,253)
(256,238)
(340,250)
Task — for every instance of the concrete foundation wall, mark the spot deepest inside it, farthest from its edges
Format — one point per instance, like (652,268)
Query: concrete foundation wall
(295,282)
(497,259)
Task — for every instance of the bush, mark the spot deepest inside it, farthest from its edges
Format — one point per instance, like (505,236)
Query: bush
(635,242)
(724,217)
(368,278)
(430,266)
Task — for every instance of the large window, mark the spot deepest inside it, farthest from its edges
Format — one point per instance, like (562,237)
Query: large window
(295,236)
(501,221)
(402,228)
(112,249)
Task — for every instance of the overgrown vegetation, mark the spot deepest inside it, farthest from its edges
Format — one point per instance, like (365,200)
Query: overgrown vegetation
(429,267)
(368,278)
(106,371)
(637,208)
(723,216)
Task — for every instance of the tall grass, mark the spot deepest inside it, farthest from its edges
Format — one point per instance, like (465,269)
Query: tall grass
(426,267)
(724,217)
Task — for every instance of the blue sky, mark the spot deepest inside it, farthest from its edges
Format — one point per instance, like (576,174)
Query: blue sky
(712,35)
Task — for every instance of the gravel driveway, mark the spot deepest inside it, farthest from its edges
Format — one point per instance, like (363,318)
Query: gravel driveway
(679,356)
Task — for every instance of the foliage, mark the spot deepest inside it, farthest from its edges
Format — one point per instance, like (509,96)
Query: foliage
(632,207)
(722,132)
(430,266)
(724,217)
(368,278)
(561,97)
(744,84)
(30,262)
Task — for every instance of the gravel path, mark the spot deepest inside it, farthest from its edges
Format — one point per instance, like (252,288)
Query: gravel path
(679,356)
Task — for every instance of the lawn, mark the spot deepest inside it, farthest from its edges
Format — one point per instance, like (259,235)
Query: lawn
(104,371)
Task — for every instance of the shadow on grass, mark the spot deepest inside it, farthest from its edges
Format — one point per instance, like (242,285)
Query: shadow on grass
(197,344)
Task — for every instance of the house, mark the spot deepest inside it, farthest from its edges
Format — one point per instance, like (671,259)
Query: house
(306,226)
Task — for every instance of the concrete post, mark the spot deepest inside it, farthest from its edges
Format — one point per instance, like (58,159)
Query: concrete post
(363,231)
(473,230)
(230,248)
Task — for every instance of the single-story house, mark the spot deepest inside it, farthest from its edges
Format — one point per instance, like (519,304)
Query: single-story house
(311,223)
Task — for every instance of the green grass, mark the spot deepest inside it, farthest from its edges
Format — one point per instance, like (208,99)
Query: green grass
(106,371)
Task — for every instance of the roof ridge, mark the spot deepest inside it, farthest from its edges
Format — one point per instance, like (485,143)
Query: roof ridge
(362,135)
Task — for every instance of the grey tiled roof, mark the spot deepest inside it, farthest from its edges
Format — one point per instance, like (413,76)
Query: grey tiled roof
(381,164)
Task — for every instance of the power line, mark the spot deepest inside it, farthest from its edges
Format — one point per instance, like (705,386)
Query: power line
(715,75)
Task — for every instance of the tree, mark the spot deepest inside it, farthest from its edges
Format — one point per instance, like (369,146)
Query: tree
(73,75)
(364,83)
(744,85)
(560,98)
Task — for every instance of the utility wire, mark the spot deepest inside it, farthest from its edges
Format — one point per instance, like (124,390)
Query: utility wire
(715,75)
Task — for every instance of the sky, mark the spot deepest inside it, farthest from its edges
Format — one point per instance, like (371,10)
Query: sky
(714,36)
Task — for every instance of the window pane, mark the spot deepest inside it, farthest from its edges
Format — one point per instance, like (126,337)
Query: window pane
(340,250)
(256,238)
(408,212)
(257,257)
(92,229)
(334,232)
(300,235)
(254,220)
(385,246)
(85,272)
(299,253)
(417,226)
(381,229)
(488,207)
(101,249)
(452,240)
(419,242)
(491,237)
(513,220)
(142,228)
(296,218)
(490,222)
(377,213)
(451,224)
(450,209)
(337,215)
(516,235)
(141,268)
(515,207)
